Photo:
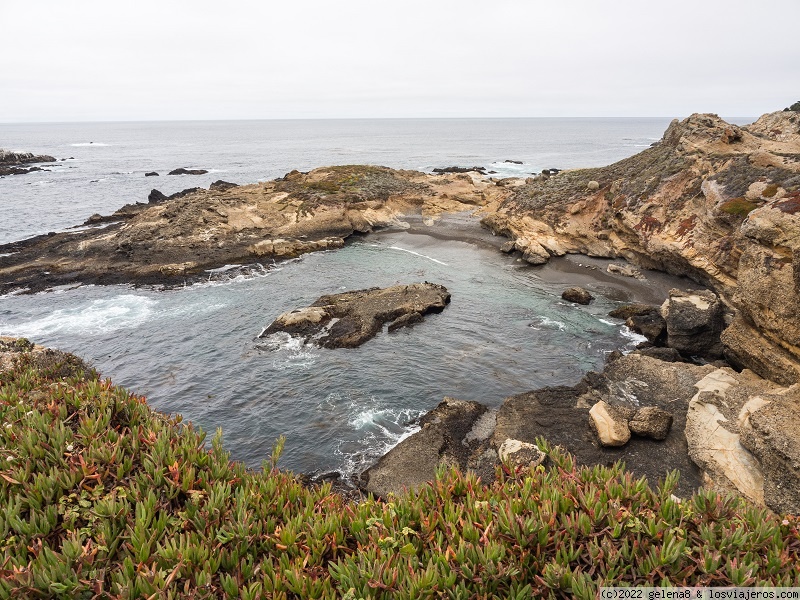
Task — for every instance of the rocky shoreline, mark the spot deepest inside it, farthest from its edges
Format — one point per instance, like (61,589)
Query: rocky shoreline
(711,201)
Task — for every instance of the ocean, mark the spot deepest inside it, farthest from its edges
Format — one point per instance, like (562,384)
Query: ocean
(195,350)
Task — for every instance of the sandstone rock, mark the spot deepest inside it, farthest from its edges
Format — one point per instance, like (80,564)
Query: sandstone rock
(519,453)
(206,229)
(665,354)
(507,247)
(348,320)
(694,323)
(746,347)
(651,422)
(406,320)
(770,433)
(625,271)
(680,207)
(577,295)
(626,311)
(712,434)
(610,423)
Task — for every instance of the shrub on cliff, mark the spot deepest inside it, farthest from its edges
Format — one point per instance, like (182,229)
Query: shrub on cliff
(795,107)
(102,497)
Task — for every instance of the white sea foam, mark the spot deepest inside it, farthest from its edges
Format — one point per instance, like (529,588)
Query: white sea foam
(89,144)
(547,323)
(105,315)
(379,429)
(292,352)
(635,338)
(606,322)
(418,254)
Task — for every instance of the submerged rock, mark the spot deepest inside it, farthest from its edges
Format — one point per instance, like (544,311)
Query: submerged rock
(349,319)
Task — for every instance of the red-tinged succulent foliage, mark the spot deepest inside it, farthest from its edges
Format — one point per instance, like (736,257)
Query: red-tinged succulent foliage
(101,497)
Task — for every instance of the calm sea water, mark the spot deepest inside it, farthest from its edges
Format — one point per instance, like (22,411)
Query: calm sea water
(195,350)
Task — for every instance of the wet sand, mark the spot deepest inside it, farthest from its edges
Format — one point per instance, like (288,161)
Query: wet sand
(570,270)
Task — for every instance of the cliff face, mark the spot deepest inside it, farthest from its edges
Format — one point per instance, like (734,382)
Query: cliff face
(712,201)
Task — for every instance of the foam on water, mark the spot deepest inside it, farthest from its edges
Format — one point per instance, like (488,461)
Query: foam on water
(82,144)
(105,315)
(418,254)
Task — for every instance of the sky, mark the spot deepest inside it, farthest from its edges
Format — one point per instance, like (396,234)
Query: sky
(88,60)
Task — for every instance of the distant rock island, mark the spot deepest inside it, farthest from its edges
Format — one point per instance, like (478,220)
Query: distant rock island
(16,163)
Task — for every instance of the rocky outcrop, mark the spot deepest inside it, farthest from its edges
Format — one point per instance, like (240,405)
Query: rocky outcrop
(646,391)
(442,170)
(712,201)
(741,430)
(349,319)
(175,239)
(13,163)
(439,442)
(577,295)
(183,171)
(694,321)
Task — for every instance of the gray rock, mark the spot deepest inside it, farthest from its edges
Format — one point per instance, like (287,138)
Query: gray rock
(694,321)
(348,320)
(507,247)
(665,354)
(577,295)
(517,453)
(413,462)
(651,422)
(651,325)
(625,271)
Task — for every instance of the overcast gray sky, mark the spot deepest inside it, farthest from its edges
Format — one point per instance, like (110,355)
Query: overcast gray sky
(121,60)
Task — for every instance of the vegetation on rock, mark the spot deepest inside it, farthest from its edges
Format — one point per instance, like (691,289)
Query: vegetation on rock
(102,497)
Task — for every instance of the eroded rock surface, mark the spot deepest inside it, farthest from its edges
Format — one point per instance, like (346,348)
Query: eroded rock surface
(175,239)
(349,319)
(561,416)
(712,201)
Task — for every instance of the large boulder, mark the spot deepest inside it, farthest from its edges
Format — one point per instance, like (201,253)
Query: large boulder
(611,423)
(348,320)
(694,322)
(578,295)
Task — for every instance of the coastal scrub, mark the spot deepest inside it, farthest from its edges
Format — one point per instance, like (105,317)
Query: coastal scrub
(102,497)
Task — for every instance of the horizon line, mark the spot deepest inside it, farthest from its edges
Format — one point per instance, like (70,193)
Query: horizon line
(473,118)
